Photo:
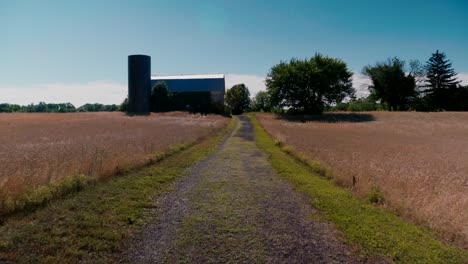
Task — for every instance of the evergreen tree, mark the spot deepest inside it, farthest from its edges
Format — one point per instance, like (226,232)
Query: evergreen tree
(440,78)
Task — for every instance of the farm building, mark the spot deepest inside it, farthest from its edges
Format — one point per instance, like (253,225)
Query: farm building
(195,92)
(198,93)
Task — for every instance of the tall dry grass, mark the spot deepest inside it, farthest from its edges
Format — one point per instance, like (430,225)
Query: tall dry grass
(419,161)
(36,149)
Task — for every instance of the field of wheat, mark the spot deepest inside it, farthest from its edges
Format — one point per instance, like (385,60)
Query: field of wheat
(419,161)
(36,149)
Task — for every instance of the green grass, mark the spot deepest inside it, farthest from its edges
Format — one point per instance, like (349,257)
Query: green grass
(92,225)
(38,197)
(217,231)
(374,230)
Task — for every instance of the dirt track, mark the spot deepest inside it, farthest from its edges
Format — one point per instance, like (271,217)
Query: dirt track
(232,207)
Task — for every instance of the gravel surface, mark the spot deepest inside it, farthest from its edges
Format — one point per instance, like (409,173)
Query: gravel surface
(233,208)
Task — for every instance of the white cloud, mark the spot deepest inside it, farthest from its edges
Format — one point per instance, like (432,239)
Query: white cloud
(75,93)
(463,77)
(96,92)
(255,83)
(360,83)
(113,93)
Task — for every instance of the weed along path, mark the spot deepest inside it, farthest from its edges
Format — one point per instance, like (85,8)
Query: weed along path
(232,207)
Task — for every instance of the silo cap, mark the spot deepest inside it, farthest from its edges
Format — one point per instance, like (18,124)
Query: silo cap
(139,55)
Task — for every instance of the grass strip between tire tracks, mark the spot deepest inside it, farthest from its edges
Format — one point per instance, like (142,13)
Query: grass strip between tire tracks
(374,230)
(92,225)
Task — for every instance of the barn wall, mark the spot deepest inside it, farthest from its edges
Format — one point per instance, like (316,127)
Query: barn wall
(193,85)
(214,88)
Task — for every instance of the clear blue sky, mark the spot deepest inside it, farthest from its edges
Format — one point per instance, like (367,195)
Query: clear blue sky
(85,41)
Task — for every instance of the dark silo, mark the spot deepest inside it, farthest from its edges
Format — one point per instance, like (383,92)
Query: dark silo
(139,84)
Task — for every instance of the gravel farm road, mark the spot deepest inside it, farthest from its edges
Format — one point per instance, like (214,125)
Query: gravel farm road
(233,208)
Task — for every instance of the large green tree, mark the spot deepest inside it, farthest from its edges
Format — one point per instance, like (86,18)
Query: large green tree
(309,85)
(441,81)
(238,99)
(261,102)
(391,84)
(160,97)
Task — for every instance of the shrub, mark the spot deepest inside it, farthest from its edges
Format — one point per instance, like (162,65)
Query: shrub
(375,196)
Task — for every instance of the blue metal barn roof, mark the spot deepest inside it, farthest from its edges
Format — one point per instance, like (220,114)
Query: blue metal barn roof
(192,83)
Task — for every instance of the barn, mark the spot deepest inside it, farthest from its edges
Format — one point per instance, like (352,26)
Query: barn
(203,92)
(197,93)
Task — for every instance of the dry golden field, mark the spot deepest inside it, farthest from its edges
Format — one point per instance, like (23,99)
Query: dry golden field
(36,149)
(419,161)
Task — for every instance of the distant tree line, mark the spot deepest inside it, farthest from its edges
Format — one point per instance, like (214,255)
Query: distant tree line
(43,107)
(98,108)
(321,83)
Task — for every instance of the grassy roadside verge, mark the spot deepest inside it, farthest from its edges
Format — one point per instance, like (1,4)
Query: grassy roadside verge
(91,226)
(374,230)
(40,196)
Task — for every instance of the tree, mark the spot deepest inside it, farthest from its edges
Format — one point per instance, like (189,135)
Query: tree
(41,107)
(363,104)
(96,107)
(417,70)
(160,97)
(456,98)
(440,78)
(261,102)
(65,108)
(124,105)
(391,84)
(238,99)
(309,85)
(10,108)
